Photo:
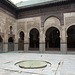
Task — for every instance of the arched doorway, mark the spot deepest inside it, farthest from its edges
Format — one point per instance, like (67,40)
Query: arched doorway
(10,44)
(52,41)
(71,38)
(21,41)
(34,40)
(1,44)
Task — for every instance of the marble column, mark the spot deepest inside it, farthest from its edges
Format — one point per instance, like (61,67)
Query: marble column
(63,40)
(26,42)
(5,43)
(5,47)
(42,41)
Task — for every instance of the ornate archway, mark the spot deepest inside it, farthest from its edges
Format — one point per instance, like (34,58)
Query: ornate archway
(10,44)
(34,39)
(52,40)
(21,41)
(71,38)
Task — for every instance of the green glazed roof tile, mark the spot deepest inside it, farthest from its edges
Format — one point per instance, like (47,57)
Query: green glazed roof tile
(31,2)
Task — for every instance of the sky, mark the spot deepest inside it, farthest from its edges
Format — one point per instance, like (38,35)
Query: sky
(16,1)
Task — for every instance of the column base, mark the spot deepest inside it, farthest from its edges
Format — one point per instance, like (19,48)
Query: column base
(64,48)
(26,46)
(5,47)
(42,47)
(15,46)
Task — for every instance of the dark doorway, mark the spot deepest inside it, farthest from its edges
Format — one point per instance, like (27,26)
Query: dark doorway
(1,44)
(10,44)
(71,38)
(21,41)
(52,39)
(34,39)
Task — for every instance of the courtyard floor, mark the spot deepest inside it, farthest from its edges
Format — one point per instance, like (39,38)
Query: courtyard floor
(60,64)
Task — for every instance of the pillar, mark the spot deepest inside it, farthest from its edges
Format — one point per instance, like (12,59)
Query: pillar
(42,41)
(63,42)
(16,46)
(5,43)
(26,42)
(16,43)
(5,47)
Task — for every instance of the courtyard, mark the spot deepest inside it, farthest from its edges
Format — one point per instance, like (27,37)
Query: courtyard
(57,64)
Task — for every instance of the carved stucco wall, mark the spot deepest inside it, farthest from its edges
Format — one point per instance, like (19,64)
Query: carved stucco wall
(26,25)
(52,22)
(69,19)
(5,22)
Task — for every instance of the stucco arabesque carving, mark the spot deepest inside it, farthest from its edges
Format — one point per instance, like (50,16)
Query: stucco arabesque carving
(2,20)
